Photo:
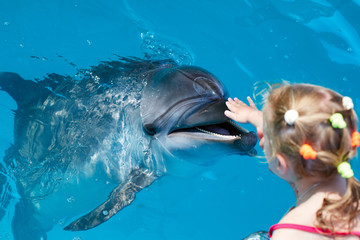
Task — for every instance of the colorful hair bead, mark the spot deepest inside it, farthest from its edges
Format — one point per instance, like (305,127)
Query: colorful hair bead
(291,116)
(347,103)
(307,152)
(337,121)
(344,169)
(355,139)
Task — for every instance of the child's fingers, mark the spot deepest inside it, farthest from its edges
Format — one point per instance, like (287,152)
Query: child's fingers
(229,114)
(229,104)
(230,100)
(232,104)
(237,100)
(251,103)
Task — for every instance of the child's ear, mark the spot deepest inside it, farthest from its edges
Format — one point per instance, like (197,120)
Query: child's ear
(283,164)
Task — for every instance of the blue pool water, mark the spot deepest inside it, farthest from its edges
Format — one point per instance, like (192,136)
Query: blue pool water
(242,42)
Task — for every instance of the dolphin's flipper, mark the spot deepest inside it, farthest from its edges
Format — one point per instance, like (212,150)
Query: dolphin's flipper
(261,235)
(119,198)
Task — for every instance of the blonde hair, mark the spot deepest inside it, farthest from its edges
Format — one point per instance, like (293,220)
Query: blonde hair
(315,105)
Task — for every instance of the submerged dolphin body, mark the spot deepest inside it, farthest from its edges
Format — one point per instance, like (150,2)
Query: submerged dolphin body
(123,122)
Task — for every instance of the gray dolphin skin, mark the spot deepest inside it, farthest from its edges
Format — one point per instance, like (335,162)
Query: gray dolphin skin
(261,235)
(109,132)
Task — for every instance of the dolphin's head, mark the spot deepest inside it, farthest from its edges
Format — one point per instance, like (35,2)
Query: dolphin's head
(186,104)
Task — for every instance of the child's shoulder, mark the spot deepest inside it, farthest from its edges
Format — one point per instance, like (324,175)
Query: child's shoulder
(305,215)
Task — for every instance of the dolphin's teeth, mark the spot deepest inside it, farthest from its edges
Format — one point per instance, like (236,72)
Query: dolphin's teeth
(216,134)
(238,126)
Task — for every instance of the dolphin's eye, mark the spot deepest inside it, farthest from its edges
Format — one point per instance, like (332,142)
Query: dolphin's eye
(206,87)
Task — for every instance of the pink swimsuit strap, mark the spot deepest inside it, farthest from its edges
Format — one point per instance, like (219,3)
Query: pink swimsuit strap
(309,229)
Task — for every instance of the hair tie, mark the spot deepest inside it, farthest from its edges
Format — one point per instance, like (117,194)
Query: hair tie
(347,103)
(355,139)
(291,116)
(307,152)
(337,121)
(344,169)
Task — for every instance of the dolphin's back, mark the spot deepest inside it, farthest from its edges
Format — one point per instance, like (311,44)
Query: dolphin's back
(63,120)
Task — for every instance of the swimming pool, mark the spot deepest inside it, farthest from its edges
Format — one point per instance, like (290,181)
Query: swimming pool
(241,42)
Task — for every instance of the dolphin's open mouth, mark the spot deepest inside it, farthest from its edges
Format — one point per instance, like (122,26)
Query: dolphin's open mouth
(225,130)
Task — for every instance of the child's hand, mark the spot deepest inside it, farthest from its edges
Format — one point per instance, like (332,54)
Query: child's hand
(243,113)
(239,111)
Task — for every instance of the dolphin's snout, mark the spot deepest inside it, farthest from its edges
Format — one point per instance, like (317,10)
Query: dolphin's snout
(247,141)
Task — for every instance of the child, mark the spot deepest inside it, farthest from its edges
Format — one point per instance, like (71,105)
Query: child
(308,134)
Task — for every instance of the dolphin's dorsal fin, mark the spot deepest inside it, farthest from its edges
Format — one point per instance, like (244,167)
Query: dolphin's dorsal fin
(119,198)
(22,91)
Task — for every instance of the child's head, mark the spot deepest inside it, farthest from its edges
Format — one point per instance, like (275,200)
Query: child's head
(312,123)
(314,105)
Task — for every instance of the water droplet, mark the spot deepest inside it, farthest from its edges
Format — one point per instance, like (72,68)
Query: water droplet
(105,212)
(286,56)
(107,182)
(158,173)
(6,23)
(276,45)
(260,178)
(70,199)
(345,79)
(349,50)
(21,45)
(89,42)
(77,238)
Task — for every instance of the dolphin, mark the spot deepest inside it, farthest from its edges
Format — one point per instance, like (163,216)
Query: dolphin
(260,235)
(113,129)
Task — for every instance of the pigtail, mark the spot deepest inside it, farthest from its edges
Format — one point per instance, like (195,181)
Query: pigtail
(344,210)
(341,213)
